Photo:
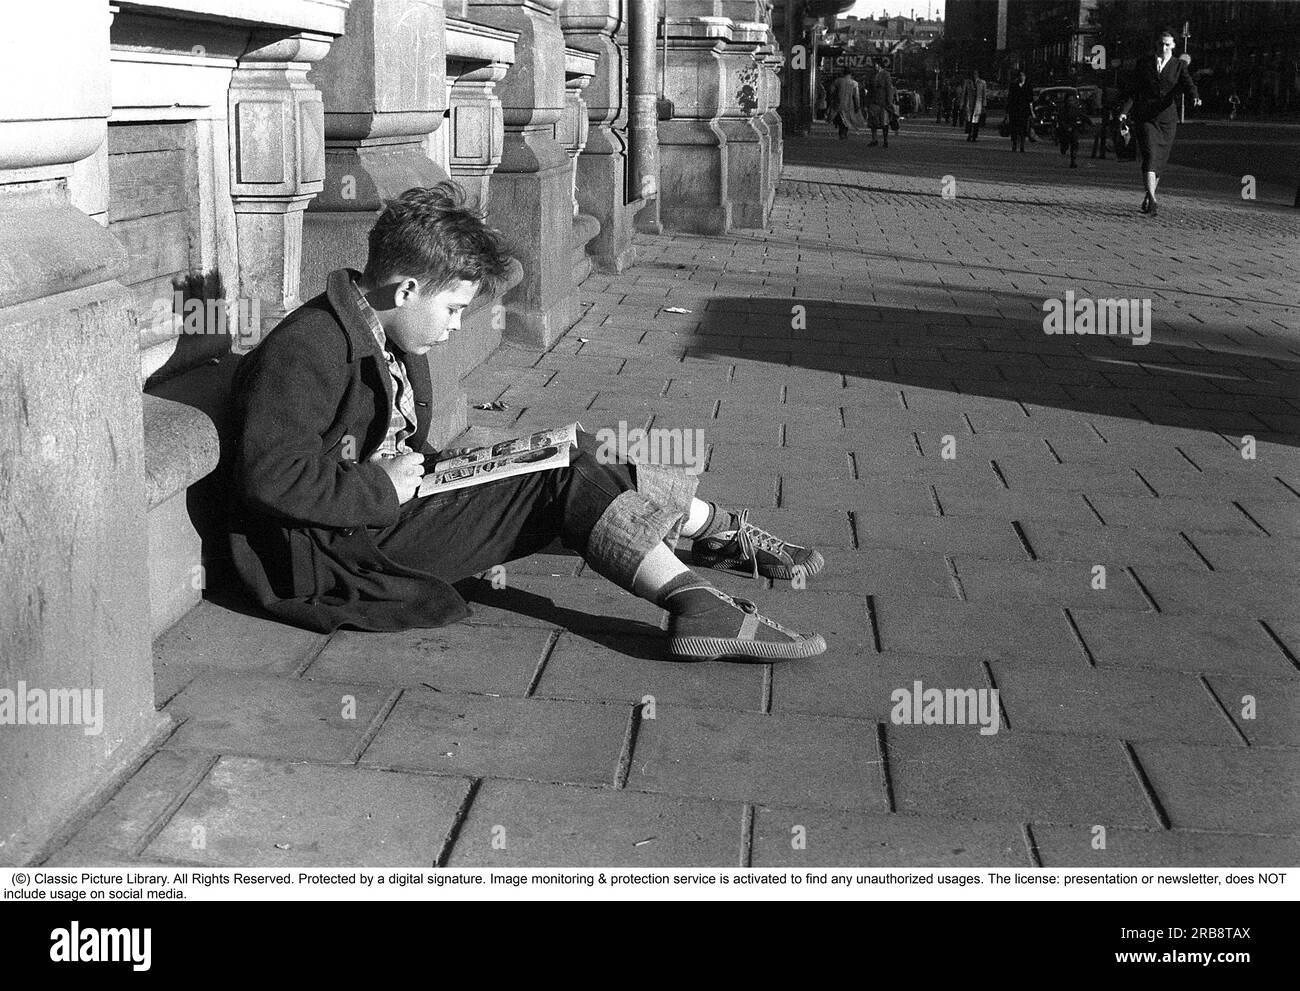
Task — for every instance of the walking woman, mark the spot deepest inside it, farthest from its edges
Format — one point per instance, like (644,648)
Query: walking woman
(1018,100)
(1157,79)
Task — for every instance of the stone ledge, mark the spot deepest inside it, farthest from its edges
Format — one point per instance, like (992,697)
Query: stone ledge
(180,447)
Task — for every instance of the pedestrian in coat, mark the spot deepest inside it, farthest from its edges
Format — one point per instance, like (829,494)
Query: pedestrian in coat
(880,104)
(974,96)
(1157,79)
(845,102)
(1019,97)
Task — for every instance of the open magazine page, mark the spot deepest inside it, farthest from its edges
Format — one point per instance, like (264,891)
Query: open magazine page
(538,451)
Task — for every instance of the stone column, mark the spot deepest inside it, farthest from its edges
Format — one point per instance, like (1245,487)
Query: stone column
(478,58)
(572,131)
(771,76)
(74,605)
(277,163)
(591,26)
(693,166)
(531,198)
(748,141)
(796,46)
(385,89)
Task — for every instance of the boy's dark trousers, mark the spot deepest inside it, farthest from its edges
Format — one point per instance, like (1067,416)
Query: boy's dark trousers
(467,531)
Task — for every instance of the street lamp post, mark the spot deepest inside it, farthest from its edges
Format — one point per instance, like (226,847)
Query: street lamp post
(1182,100)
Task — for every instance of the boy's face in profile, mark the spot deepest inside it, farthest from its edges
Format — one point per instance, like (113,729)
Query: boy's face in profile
(416,322)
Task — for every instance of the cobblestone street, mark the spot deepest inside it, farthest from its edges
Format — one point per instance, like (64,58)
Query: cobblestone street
(1107,534)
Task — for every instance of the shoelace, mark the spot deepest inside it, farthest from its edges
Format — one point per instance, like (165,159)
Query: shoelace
(751,607)
(752,539)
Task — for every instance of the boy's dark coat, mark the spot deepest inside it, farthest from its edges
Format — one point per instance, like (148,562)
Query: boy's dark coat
(301,532)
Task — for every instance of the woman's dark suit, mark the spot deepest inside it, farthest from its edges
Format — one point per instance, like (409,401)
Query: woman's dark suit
(1151,103)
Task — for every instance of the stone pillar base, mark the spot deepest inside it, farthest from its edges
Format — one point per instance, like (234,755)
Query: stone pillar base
(746,171)
(693,171)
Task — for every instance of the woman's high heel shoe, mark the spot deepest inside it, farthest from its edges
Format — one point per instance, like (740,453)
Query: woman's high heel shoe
(1152,211)
(1146,204)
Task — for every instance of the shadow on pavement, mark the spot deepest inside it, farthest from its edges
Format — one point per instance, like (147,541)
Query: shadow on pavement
(1201,388)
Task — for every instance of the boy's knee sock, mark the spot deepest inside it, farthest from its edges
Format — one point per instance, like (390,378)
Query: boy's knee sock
(669,584)
(717,521)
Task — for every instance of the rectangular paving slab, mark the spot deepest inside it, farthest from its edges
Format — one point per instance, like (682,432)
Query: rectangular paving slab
(524,824)
(1076,846)
(1024,632)
(477,736)
(457,658)
(287,718)
(1266,711)
(781,759)
(809,839)
(860,684)
(1130,705)
(1228,644)
(259,813)
(1225,788)
(122,825)
(955,771)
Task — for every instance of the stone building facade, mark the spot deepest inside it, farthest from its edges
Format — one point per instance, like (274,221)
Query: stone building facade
(186,172)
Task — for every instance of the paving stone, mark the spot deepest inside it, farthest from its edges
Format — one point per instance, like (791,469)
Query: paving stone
(123,824)
(1028,632)
(956,771)
(473,735)
(946,535)
(841,839)
(1183,590)
(1267,711)
(860,684)
(1072,846)
(1136,454)
(1067,583)
(1067,507)
(1216,485)
(285,718)
(1280,517)
(1180,643)
(258,813)
(1122,544)
(583,669)
(1254,552)
(1029,474)
(1171,514)
(219,637)
(778,759)
(1130,705)
(1224,788)
(810,492)
(458,658)
(537,825)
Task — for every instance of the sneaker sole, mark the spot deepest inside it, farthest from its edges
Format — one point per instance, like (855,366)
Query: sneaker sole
(715,648)
(812,566)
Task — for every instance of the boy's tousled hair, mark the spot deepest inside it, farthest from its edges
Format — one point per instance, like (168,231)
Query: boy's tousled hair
(436,235)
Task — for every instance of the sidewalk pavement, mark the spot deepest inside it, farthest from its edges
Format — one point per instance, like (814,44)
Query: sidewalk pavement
(832,362)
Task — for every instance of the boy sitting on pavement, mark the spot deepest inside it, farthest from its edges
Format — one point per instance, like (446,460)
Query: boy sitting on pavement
(332,419)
